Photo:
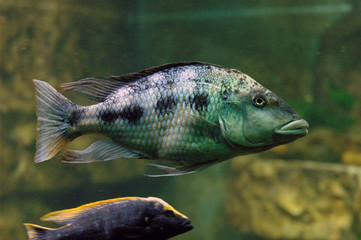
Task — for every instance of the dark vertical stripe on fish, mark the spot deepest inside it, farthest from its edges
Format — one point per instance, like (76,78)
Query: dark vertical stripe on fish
(199,101)
(165,105)
(132,113)
(108,116)
(75,117)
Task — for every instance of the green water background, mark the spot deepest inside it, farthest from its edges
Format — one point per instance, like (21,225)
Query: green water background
(307,52)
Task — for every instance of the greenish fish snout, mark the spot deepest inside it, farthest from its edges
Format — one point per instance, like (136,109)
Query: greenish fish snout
(296,127)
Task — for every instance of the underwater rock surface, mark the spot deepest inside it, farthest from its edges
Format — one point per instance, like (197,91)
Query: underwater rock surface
(276,199)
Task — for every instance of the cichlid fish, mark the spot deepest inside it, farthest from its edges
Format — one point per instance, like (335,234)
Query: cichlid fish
(187,114)
(115,219)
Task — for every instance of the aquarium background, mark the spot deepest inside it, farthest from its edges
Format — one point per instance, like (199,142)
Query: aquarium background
(306,51)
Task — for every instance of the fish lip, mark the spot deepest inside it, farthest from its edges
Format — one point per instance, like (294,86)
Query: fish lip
(186,224)
(296,127)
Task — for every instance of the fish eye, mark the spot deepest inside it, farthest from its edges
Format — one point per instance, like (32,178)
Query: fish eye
(259,101)
(169,213)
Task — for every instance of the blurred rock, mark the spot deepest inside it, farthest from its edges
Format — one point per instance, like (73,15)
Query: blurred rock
(351,157)
(276,199)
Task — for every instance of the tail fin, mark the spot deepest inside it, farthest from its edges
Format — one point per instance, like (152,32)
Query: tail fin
(36,232)
(52,110)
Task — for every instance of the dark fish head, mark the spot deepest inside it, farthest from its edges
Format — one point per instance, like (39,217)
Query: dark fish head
(259,120)
(163,221)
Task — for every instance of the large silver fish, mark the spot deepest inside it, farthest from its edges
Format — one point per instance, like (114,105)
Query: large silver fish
(188,114)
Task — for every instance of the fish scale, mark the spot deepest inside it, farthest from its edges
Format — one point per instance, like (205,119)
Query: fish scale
(168,121)
(188,114)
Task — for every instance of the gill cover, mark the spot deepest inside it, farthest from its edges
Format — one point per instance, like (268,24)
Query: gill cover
(244,125)
(231,122)
(257,120)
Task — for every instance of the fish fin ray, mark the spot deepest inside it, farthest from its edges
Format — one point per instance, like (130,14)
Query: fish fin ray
(68,216)
(36,232)
(130,77)
(97,152)
(52,109)
(96,89)
(200,120)
(196,119)
(173,171)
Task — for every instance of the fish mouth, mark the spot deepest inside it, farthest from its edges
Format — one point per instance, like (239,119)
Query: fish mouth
(296,127)
(186,225)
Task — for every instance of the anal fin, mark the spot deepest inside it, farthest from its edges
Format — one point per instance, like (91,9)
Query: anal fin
(97,152)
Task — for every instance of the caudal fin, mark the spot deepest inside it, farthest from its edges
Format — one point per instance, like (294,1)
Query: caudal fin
(36,232)
(52,110)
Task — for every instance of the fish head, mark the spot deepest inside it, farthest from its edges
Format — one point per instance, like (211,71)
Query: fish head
(163,221)
(258,120)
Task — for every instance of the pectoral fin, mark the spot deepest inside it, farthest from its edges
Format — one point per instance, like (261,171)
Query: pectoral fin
(97,152)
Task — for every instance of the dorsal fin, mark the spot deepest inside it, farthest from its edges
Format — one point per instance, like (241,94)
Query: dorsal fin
(129,77)
(98,89)
(69,215)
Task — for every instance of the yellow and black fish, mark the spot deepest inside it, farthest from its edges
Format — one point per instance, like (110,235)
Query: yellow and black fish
(131,218)
(188,114)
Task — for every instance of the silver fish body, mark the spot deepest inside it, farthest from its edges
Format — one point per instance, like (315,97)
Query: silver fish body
(188,114)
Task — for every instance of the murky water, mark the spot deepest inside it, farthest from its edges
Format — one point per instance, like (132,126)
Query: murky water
(308,52)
